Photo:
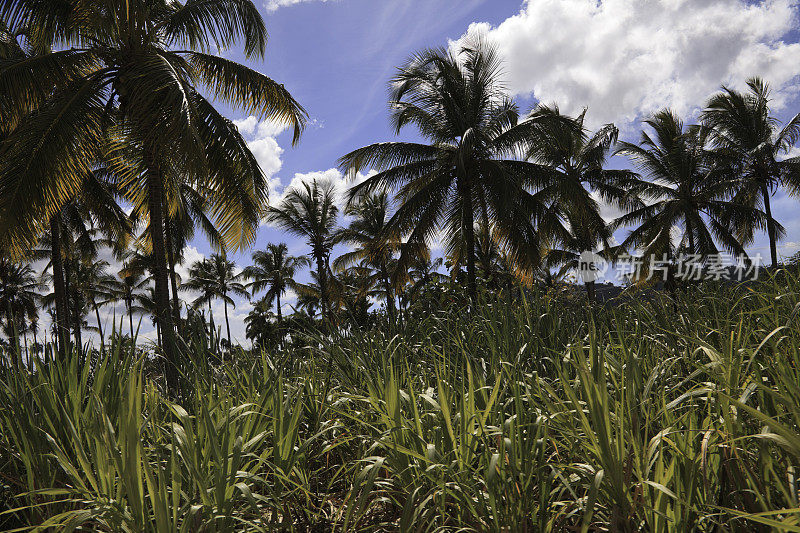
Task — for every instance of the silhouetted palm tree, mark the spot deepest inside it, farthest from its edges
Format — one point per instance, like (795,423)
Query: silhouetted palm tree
(375,246)
(687,188)
(470,165)
(259,327)
(214,278)
(310,211)
(127,289)
(744,127)
(126,97)
(274,271)
(19,299)
(573,191)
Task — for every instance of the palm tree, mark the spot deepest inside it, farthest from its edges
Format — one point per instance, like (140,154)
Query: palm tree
(469,166)
(310,211)
(96,287)
(274,271)
(127,97)
(259,327)
(127,289)
(214,278)
(19,299)
(743,126)
(573,190)
(190,210)
(375,246)
(688,188)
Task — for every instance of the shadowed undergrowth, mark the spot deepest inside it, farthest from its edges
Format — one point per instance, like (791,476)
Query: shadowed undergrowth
(543,415)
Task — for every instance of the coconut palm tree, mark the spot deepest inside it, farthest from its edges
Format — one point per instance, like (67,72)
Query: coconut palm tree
(274,271)
(96,288)
(259,325)
(19,297)
(575,188)
(687,187)
(375,247)
(310,211)
(130,83)
(214,278)
(470,164)
(127,289)
(743,126)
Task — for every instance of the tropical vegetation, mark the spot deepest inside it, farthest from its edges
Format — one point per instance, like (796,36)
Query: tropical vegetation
(435,367)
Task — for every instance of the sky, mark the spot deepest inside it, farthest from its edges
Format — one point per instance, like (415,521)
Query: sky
(623,59)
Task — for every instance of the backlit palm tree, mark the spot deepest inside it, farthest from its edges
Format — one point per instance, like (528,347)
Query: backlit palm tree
(471,163)
(274,271)
(687,188)
(375,247)
(214,278)
(743,126)
(127,289)
(19,299)
(573,192)
(128,96)
(310,211)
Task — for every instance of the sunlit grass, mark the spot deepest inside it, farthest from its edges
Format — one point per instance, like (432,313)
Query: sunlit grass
(543,415)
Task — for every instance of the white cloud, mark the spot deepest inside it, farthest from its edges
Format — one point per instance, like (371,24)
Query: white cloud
(626,58)
(273,5)
(190,255)
(334,176)
(264,146)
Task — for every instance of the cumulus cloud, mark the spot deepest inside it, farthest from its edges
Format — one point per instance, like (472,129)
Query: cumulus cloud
(262,141)
(334,176)
(627,58)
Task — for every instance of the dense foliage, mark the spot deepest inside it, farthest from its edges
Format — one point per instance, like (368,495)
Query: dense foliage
(532,414)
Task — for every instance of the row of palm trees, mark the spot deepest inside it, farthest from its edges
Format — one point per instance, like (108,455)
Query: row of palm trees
(110,95)
(115,116)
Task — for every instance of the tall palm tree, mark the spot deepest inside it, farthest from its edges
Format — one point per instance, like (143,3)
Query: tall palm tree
(578,183)
(310,211)
(19,297)
(686,187)
(375,247)
(743,125)
(259,326)
(135,106)
(471,163)
(274,271)
(96,287)
(127,289)
(214,278)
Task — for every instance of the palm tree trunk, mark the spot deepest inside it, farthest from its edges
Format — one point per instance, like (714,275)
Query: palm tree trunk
(173,277)
(773,250)
(469,235)
(280,317)
(62,340)
(322,274)
(99,325)
(211,328)
(13,337)
(159,258)
(590,292)
(227,322)
(388,288)
(76,320)
(75,314)
(130,317)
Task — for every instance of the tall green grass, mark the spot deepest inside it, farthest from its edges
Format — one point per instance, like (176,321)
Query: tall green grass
(656,415)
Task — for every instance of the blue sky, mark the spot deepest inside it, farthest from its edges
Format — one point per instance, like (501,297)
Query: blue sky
(621,58)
